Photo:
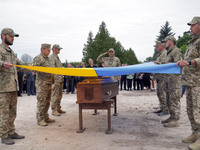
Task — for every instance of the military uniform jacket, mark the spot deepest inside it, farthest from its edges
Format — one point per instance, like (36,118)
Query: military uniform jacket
(41,77)
(160,60)
(55,60)
(109,62)
(191,74)
(174,55)
(8,77)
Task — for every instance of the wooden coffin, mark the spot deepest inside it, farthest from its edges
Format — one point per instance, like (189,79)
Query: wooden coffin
(96,90)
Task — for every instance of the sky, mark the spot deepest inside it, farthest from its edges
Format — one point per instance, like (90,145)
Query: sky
(135,23)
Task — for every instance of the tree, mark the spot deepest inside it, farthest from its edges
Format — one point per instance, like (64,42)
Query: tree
(165,31)
(101,43)
(26,59)
(148,59)
(182,42)
(131,58)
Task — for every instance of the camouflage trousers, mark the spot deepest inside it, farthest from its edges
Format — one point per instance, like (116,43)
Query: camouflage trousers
(193,106)
(8,110)
(173,94)
(43,101)
(56,95)
(161,93)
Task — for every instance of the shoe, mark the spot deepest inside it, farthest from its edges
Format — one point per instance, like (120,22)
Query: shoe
(42,123)
(49,120)
(7,141)
(61,111)
(191,139)
(55,112)
(171,124)
(166,121)
(158,111)
(17,136)
(195,146)
(163,113)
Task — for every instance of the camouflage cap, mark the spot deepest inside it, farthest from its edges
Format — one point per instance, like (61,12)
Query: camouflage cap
(56,46)
(111,49)
(195,20)
(46,46)
(158,43)
(169,38)
(9,31)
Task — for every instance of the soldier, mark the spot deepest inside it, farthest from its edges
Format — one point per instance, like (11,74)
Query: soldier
(191,78)
(173,83)
(161,84)
(110,61)
(8,88)
(44,82)
(57,87)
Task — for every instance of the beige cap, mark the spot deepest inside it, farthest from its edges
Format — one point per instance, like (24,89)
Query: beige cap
(169,38)
(9,31)
(158,43)
(46,46)
(56,46)
(195,20)
(111,49)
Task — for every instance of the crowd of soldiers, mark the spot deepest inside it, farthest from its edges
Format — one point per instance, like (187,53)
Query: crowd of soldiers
(49,87)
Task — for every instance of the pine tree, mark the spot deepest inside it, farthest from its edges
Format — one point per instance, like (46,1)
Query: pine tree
(101,43)
(165,31)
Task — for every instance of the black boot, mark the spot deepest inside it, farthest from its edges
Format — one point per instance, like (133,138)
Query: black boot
(7,141)
(16,136)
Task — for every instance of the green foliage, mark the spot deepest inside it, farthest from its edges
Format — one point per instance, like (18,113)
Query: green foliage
(182,42)
(165,31)
(149,59)
(101,43)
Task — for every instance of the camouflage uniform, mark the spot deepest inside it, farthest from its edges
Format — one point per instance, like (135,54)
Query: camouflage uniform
(173,84)
(191,78)
(57,87)
(8,91)
(43,83)
(110,62)
(161,83)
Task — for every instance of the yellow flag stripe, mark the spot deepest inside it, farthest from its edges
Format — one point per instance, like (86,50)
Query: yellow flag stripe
(84,72)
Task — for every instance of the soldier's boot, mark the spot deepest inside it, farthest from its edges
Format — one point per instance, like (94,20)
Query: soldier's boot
(171,124)
(42,123)
(55,112)
(166,121)
(61,111)
(49,120)
(192,138)
(7,141)
(195,146)
(163,113)
(16,136)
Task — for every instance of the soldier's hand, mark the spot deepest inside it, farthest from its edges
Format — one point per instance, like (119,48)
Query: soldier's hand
(182,63)
(154,62)
(105,53)
(7,65)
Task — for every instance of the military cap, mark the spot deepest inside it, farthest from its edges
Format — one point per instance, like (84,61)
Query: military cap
(56,46)
(111,49)
(9,31)
(158,43)
(169,38)
(195,20)
(46,46)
